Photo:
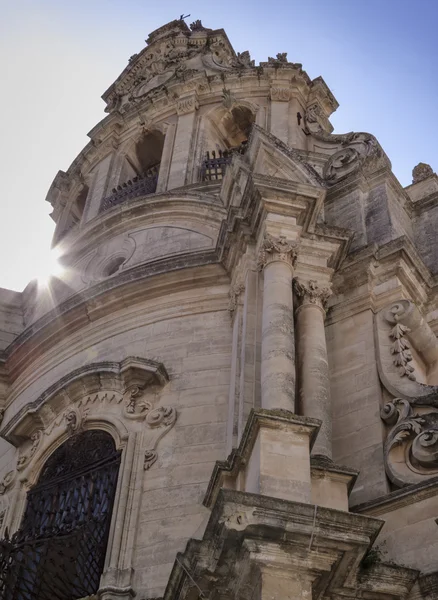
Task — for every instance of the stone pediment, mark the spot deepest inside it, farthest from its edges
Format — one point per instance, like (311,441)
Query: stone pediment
(173,53)
(269,156)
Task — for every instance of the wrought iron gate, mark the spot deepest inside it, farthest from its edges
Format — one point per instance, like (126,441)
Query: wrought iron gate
(59,551)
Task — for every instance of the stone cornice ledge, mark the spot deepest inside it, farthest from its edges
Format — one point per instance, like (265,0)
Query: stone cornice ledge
(106,296)
(411,494)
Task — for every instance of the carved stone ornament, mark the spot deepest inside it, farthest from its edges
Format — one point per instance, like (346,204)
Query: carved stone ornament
(312,293)
(159,421)
(7,481)
(400,330)
(420,172)
(277,248)
(357,149)
(279,94)
(187,105)
(407,353)
(280,58)
(234,294)
(243,60)
(411,448)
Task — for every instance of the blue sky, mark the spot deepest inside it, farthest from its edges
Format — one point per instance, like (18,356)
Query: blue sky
(380,59)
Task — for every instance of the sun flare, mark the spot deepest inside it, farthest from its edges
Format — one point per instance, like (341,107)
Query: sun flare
(50,267)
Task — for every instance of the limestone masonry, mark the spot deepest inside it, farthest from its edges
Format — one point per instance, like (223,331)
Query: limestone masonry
(231,392)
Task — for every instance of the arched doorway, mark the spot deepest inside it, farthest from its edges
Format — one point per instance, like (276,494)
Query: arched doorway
(59,551)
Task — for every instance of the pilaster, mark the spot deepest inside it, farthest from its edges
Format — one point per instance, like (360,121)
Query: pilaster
(186,110)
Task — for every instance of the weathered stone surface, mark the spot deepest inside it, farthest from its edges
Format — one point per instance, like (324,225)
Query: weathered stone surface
(176,329)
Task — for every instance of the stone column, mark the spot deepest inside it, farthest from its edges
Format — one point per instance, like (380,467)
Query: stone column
(314,385)
(277,258)
(280,97)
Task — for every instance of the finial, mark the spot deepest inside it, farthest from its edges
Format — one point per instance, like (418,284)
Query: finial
(421,171)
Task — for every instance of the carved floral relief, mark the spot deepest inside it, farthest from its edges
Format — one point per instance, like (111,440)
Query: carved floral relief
(407,351)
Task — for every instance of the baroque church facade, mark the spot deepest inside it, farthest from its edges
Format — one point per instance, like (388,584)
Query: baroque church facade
(231,392)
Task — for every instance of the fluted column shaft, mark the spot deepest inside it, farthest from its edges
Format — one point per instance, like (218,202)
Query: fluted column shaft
(314,384)
(277,259)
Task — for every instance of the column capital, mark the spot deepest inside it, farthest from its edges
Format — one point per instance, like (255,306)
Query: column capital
(277,249)
(310,292)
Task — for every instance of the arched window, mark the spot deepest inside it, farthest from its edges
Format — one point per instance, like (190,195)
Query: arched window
(227,133)
(139,175)
(59,551)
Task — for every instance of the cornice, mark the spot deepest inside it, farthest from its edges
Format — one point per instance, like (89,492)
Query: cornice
(194,269)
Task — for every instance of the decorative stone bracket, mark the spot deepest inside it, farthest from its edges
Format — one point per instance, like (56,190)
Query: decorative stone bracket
(411,448)
(407,353)
(402,333)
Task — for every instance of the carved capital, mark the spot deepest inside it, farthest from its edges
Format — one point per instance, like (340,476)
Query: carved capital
(187,105)
(277,249)
(311,293)
(280,94)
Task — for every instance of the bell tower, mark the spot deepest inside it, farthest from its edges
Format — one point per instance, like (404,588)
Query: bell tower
(232,384)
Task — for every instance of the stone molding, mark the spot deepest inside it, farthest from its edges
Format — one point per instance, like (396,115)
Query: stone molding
(274,249)
(311,293)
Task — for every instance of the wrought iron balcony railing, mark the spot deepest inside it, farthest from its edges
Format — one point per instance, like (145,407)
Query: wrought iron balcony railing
(214,166)
(133,188)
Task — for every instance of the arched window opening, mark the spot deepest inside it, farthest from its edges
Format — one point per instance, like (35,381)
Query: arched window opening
(59,551)
(227,134)
(144,161)
(148,152)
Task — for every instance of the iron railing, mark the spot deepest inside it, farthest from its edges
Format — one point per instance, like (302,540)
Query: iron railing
(214,166)
(133,188)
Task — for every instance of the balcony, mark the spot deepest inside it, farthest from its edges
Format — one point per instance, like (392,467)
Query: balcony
(133,188)
(214,166)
